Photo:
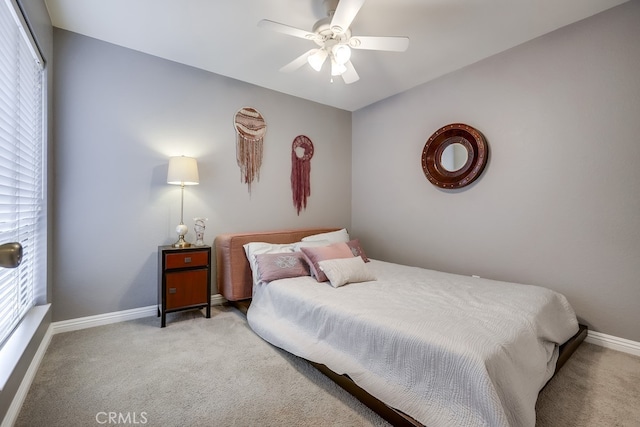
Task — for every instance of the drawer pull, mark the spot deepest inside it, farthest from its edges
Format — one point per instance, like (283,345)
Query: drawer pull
(172,290)
(187,260)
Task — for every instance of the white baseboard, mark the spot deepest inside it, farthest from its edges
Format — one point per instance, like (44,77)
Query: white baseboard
(103,319)
(615,343)
(115,317)
(218,299)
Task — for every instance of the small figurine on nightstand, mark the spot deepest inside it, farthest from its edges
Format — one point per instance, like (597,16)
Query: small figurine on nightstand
(199,229)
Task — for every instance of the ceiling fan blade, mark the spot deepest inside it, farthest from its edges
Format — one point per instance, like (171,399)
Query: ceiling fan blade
(298,62)
(350,75)
(394,44)
(286,29)
(344,15)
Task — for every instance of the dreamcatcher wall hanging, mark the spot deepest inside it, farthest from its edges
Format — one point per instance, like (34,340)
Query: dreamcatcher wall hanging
(301,154)
(250,129)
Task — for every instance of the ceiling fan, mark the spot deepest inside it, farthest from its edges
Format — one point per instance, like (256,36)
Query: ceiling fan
(334,40)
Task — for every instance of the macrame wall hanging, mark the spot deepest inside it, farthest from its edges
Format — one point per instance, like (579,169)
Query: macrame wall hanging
(301,154)
(250,128)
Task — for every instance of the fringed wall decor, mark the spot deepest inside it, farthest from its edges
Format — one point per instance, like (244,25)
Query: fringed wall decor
(301,154)
(251,128)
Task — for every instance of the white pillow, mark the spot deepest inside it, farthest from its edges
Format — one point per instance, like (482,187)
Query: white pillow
(310,244)
(254,248)
(331,236)
(346,270)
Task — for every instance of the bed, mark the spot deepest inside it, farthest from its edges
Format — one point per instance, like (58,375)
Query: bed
(419,347)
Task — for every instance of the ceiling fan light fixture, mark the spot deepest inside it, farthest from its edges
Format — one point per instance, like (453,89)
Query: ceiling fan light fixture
(341,53)
(336,68)
(333,38)
(317,59)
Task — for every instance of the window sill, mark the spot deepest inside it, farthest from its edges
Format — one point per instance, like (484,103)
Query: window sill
(14,348)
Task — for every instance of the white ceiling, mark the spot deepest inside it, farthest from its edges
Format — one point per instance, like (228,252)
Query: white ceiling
(222,36)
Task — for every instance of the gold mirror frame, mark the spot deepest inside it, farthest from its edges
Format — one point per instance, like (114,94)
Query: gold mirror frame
(456,133)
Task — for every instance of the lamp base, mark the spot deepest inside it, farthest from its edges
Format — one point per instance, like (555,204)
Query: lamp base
(181,229)
(181,243)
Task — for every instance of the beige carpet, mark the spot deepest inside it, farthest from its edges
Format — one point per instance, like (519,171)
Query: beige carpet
(216,372)
(597,387)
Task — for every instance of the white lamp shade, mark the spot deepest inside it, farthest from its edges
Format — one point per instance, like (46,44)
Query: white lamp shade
(317,59)
(341,53)
(183,171)
(337,69)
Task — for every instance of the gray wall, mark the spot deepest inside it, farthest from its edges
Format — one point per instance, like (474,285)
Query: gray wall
(558,203)
(119,116)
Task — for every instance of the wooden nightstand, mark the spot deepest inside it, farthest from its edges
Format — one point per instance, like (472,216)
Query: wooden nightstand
(184,280)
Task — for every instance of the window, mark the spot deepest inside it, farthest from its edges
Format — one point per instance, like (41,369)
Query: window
(22,204)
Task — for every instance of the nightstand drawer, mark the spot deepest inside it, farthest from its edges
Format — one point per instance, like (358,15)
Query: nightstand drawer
(187,259)
(186,288)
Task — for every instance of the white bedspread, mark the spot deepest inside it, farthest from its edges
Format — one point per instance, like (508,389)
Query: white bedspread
(446,349)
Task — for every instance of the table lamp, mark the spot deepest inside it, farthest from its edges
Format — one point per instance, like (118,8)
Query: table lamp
(182,171)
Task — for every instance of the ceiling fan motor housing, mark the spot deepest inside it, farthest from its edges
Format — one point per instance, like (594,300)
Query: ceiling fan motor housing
(325,33)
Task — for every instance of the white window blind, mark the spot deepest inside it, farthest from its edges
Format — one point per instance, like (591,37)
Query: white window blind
(21,164)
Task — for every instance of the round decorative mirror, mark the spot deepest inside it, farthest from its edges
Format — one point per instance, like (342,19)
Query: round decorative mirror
(454,156)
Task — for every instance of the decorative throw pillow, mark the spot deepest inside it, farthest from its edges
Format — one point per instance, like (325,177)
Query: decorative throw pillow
(314,255)
(331,236)
(357,250)
(347,270)
(281,266)
(254,248)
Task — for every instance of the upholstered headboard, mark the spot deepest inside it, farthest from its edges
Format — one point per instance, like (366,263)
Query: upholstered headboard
(233,272)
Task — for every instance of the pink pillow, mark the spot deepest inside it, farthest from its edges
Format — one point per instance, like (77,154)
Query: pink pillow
(281,266)
(313,255)
(356,249)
